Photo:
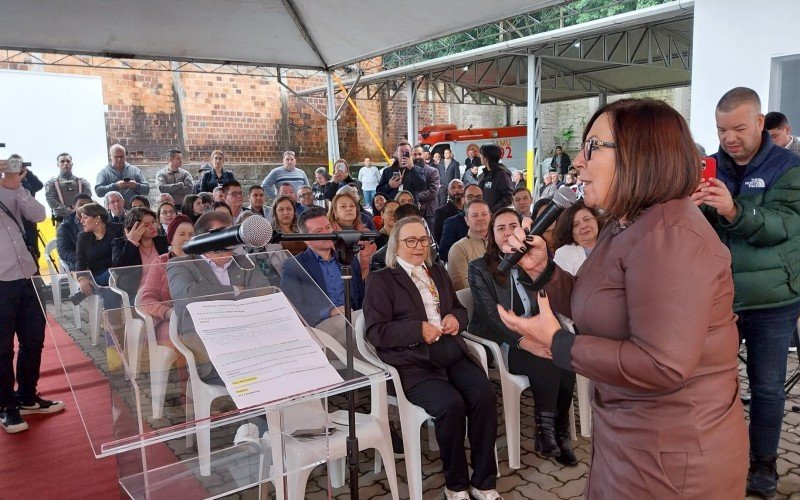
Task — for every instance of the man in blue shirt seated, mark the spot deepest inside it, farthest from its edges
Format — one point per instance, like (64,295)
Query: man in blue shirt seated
(320,298)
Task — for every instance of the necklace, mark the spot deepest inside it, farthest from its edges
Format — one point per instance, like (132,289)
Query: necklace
(147,254)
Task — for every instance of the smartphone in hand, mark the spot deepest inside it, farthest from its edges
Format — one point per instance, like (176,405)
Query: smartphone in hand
(709,168)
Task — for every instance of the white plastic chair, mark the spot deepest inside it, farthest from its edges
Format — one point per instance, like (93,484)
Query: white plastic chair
(372,430)
(92,305)
(199,398)
(161,359)
(73,289)
(55,277)
(411,416)
(512,387)
(134,329)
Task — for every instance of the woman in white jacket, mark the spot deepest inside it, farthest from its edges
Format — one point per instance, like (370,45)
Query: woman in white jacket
(575,236)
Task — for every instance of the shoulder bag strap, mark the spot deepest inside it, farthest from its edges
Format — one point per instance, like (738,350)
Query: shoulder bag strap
(21,230)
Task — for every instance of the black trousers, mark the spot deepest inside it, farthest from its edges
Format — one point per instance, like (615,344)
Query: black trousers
(20,314)
(552,387)
(468,395)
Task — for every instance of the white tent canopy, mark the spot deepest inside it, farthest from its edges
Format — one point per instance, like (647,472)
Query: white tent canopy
(309,34)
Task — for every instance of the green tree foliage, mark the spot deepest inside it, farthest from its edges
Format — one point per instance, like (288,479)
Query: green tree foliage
(558,16)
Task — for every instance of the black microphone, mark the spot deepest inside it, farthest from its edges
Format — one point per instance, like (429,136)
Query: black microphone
(277,236)
(564,198)
(255,231)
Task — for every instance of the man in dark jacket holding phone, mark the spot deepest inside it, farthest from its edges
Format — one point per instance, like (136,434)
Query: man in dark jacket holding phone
(753,205)
(403,172)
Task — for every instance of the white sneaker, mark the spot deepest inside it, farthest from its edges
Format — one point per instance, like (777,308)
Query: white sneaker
(484,494)
(456,495)
(247,433)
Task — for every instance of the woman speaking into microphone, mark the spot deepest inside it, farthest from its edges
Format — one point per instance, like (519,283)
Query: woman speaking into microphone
(653,305)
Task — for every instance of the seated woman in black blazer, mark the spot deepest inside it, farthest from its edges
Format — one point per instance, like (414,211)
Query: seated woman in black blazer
(93,251)
(413,318)
(552,387)
(140,246)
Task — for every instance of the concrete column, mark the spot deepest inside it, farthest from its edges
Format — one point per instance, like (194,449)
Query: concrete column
(412,111)
(333,132)
(534,127)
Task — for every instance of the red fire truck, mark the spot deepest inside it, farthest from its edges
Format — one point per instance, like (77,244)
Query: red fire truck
(512,141)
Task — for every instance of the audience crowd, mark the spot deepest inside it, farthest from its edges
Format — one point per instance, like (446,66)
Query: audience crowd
(441,225)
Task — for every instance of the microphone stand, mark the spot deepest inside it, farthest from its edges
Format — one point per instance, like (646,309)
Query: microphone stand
(346,249)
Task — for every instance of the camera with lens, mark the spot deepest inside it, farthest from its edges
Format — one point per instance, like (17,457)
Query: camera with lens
(13,165)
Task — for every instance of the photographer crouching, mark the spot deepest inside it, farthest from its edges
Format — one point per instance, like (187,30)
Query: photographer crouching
(20,312)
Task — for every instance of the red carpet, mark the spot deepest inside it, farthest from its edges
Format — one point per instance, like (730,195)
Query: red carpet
(54,458)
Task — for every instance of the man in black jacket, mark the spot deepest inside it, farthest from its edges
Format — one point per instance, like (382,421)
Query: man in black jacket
(454,205)
(560,162)
(403,174)
(68,232)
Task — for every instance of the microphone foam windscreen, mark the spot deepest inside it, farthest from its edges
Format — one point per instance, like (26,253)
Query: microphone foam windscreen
(255,231)
(565,197)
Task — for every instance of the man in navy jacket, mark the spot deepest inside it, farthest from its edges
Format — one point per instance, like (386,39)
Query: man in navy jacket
(320,298)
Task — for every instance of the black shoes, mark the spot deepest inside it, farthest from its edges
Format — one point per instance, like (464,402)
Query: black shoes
(397,440)
(567,456)
(12,421)
(77,297)
(762,478)
(40,405)
(545,444)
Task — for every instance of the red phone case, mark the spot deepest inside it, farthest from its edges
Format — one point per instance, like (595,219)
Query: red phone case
(709,168)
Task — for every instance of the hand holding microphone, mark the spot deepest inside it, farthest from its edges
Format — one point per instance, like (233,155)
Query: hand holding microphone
(523,240)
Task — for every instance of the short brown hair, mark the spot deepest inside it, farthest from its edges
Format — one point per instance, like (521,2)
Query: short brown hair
(137,215)
(737,96)
(563,232)
(94,210)
(656,159)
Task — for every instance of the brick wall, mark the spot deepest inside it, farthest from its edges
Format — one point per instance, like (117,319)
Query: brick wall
(253,119)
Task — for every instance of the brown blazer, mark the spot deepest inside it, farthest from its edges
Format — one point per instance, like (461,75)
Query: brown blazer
(653,304)
(393,315)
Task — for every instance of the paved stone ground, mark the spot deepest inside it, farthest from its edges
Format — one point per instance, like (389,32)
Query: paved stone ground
(536,479)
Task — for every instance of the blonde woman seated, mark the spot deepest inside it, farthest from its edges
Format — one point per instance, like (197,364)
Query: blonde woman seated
(284,219)
(344,214)
(413,318)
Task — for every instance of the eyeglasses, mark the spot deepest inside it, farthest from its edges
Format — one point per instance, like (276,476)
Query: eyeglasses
(235,194)
(412,242)
(168,212)
(306,195)
(594,144)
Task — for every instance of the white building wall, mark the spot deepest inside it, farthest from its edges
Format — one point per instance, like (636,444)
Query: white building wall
(734,43)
